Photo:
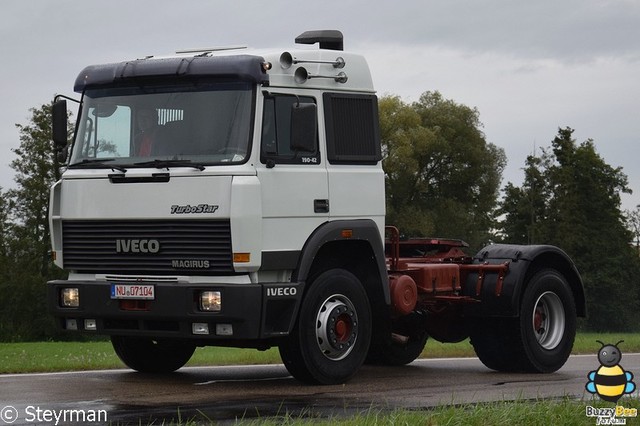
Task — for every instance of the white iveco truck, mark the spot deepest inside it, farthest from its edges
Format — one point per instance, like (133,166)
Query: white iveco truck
(234,197)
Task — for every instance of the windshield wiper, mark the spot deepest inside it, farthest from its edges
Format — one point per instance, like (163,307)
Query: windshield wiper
(99,162)
(162,164)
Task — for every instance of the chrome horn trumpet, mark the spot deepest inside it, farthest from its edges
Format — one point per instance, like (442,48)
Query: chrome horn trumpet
(301,75)
(287,60)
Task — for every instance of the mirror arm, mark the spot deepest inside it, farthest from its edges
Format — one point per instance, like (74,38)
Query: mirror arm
(57,98)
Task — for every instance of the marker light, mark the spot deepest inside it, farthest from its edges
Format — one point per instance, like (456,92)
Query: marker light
(69,298)
(242,257)
(210,301)
(71,324)
(200,328)
(224,329)
(90,324)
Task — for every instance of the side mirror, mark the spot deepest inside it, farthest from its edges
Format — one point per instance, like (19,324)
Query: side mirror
(304,127)
(59,124)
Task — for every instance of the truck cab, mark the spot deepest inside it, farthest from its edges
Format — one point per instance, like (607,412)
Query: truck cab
(204,189)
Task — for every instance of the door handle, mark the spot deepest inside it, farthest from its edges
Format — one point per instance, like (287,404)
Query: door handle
(321,206)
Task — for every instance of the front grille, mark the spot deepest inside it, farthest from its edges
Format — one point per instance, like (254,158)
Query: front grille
(166,246)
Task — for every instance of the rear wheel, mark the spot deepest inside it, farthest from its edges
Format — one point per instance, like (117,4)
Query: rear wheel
(148,355)
(540,339)
(331,338)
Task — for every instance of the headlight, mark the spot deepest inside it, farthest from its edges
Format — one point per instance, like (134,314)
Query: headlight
(210,301)
(69,298)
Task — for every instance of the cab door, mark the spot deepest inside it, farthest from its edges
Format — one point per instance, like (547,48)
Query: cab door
(354,157)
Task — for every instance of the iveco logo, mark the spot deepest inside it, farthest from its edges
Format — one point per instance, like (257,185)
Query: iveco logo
(281,291)
(137,246)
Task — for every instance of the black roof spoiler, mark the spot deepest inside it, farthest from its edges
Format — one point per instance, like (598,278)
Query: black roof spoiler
(328,39)
(242,67)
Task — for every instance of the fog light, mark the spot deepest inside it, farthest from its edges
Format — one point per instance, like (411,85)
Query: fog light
(69,298)
(200,328)
(71,324)
(90,324)
(210,301)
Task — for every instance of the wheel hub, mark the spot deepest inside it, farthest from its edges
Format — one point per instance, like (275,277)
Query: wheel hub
(336,327)
(548,320)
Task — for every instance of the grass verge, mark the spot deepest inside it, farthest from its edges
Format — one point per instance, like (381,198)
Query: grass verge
(562,411)
(72,356)
(526,412)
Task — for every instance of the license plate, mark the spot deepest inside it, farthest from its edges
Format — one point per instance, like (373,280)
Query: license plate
(133,291)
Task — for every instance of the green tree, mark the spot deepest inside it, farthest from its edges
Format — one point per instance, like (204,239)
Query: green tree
(25,233)
(35,173)
(571,198)
(442,176)
(633,225)
(525,208)
(5,262)
(4,226)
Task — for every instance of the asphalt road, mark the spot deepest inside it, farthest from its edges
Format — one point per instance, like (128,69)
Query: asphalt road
(229,393)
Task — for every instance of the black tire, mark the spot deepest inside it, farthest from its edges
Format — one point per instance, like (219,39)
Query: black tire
(540,339)
(331,337)
(396,353)
(148,355)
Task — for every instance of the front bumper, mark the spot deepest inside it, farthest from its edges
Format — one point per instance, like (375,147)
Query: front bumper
(249,311)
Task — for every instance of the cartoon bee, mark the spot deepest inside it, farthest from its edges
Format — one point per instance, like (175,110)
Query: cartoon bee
(610,381)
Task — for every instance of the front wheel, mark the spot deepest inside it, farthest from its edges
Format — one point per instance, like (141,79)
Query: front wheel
(541,338)
(330,340)
(148,355)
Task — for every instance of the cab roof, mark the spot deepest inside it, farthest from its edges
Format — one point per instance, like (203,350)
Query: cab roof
(326,68)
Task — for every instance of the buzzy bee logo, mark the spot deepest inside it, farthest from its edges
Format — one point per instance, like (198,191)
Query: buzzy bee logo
(610,382)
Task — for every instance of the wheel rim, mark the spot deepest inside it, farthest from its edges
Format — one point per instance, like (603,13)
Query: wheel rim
(336,327)
(548,320)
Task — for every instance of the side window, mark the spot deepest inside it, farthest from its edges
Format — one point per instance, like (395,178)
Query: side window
(353,135)
(276,132)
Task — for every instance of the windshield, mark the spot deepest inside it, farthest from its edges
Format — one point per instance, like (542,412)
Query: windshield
(203,123)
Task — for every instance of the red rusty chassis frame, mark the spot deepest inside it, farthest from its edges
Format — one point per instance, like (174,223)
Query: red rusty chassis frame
(428,271)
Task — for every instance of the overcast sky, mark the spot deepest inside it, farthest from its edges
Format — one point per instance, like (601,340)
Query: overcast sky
(529,67)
